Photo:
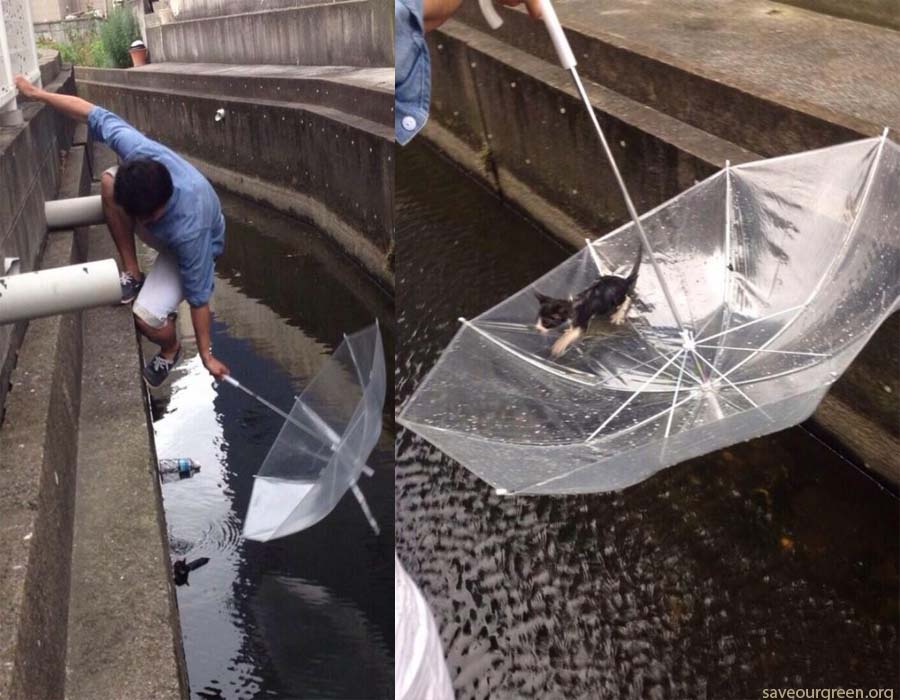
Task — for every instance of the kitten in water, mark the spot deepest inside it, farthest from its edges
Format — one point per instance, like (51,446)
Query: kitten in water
(607,296)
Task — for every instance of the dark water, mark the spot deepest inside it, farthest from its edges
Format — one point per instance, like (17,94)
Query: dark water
(310,615)
(771,564)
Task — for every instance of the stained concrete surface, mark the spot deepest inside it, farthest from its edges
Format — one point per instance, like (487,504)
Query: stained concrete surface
(780,78)
(351,32)
(38,446)
(883,13)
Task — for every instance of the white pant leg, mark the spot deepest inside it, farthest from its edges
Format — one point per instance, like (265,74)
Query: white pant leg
(161,293)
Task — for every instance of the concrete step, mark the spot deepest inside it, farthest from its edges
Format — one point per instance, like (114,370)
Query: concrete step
(516,120)
(124,638)
(772,78)
(308,159)
(346,32)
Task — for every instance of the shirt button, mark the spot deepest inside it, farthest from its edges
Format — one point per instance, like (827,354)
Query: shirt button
(409,123)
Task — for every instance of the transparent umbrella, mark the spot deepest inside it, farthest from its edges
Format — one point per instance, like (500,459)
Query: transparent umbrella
(322,448)
(759,287)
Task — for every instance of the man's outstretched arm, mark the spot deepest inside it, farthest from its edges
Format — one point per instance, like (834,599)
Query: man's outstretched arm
(71,106)
(202,320)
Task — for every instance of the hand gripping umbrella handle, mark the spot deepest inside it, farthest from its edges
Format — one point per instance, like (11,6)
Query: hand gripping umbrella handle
(548,14)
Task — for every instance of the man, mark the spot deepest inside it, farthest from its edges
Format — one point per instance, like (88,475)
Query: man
(162,198)
(412,64)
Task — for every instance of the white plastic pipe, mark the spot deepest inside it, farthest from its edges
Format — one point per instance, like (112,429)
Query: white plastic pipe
(70,213)
(59,290)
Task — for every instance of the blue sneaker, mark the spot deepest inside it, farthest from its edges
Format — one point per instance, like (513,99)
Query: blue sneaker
(131,286)
(157,371)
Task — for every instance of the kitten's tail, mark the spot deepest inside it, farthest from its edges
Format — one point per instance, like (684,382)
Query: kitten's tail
(633,275)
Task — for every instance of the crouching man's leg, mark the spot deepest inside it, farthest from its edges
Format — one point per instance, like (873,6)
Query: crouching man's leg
(154,311)
(121,228)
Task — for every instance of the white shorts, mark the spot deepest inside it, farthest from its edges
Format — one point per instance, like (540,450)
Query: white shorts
(162,292)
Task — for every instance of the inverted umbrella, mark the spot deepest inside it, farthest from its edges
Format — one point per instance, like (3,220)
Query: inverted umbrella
(765,281)
(322,448)
(759,287)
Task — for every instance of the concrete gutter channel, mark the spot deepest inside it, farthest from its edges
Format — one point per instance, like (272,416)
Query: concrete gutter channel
(338,172)
(678,91)
(87,606)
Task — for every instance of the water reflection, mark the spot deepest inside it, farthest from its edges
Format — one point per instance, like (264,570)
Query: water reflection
(770,564)
(283,300)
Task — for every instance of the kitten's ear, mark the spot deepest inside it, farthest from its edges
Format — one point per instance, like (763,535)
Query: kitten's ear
(541,297)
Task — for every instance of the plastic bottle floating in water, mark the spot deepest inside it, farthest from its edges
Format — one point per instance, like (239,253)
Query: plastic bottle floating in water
(174,469)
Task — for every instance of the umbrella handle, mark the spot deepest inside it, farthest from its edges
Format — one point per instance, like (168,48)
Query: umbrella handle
(551,21)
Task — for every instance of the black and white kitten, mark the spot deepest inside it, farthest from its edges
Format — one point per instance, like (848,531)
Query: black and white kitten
(607,296)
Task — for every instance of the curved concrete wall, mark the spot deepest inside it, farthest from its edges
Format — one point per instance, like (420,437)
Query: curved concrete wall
(349,33)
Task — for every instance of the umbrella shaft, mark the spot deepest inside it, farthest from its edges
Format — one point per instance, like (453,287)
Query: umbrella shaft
(632,212)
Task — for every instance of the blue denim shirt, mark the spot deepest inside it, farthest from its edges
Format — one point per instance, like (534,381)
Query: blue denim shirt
(191,227)
(412,70)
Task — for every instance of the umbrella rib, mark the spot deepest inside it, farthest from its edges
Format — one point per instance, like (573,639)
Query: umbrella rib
(749,323)
(675,395)
(594,255)
(652,418)
(515,353)
(634,395)
(778,352)
(870,178)
(734,386)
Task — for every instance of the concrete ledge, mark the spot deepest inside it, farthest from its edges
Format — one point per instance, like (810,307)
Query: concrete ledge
(38,447)
(363,92)
(766,76)
(524,123)
(124,636)
(352,32)
(883,13)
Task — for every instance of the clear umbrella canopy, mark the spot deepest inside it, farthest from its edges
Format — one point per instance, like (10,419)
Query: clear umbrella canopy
(322,449)
(761,285)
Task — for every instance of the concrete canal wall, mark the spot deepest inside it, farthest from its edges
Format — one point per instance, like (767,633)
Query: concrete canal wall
(88,608)
(29,175)
(294,32)
(679,88)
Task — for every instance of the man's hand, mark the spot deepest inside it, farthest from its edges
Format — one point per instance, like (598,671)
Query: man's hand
(215,368)
(533,6)
(24,86)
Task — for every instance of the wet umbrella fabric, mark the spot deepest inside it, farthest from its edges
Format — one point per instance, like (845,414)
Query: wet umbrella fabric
(322,448)
(779,271)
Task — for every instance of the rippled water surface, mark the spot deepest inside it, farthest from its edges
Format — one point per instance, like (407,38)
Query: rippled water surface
(770,564)
(310,615)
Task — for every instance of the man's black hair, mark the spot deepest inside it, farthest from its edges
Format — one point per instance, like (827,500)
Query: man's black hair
(142,186)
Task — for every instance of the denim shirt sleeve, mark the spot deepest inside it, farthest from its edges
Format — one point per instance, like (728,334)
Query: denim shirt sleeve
(115,132)
(412,70)
(196,263)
